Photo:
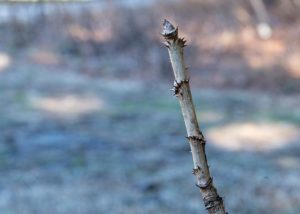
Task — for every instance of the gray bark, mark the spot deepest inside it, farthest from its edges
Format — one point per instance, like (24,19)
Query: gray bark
(212,201)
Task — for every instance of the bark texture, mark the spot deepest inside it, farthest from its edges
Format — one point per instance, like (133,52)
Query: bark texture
(212,201)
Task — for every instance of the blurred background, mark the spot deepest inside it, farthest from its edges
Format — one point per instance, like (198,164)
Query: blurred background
(88,124)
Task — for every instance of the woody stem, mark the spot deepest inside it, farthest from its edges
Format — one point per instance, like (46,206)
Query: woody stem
(212,201)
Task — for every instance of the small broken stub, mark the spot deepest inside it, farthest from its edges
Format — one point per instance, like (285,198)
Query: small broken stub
(196,170)
(182,42)
(169,31)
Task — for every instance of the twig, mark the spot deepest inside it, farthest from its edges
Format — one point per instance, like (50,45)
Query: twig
(212,201)
(264,29)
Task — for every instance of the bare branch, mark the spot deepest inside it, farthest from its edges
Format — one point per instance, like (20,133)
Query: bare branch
(212,201)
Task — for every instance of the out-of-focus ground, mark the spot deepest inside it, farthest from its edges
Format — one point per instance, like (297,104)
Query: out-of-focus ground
(88,124)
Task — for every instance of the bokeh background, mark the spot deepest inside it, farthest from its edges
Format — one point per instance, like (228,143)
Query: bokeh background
(88,124)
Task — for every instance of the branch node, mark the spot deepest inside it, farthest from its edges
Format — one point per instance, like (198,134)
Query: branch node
(177,86)
(197,139)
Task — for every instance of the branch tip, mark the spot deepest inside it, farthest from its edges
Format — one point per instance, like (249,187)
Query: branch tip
(169,31)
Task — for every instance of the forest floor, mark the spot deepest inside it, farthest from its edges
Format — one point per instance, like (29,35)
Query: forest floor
(75,144)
